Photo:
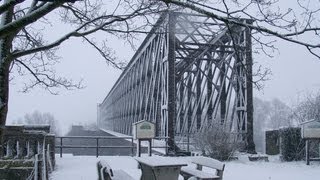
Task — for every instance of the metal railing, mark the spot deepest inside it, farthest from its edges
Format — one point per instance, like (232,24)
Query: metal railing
(60,145)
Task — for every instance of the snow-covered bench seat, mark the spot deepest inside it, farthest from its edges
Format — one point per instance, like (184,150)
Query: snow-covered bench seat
(200,161)
(106,173)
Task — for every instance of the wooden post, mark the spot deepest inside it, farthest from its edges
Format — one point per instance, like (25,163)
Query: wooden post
(149,147)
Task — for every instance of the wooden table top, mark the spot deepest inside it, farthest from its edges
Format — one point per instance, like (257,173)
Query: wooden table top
(161,161)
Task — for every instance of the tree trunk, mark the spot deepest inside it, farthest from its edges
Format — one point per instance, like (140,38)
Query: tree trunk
(5,61)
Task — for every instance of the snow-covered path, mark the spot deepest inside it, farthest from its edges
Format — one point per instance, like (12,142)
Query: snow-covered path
(84,168)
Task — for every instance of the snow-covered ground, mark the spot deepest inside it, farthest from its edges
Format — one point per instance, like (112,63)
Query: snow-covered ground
(84,168)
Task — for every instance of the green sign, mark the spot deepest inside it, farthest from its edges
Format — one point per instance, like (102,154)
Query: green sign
(145,126)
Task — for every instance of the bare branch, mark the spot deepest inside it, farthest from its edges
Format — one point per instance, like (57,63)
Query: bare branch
(11,3)
(105,53)
(48,82)
(258,28)
(15,26)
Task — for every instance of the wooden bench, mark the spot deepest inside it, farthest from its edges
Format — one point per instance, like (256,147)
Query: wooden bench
(200,161)
(106,173)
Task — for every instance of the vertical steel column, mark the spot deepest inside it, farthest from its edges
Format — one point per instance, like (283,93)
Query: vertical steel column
(223,99)
(249,93)
(198,90)
(182,108)
(171,82)
(189,93)
(209,94)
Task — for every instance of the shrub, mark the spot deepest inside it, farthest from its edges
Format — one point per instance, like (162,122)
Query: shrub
(215,142)
(292,145)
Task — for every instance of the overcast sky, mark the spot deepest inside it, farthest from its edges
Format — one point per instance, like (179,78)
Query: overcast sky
(294,72)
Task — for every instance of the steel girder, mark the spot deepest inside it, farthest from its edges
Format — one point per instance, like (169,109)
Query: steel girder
(190,72)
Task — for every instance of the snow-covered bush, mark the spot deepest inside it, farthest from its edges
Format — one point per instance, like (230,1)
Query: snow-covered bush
(291,145)
(215,142)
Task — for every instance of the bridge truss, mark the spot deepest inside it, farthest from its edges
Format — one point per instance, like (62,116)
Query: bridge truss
(190,73)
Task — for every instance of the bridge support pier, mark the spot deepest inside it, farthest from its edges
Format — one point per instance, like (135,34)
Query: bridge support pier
(171,83)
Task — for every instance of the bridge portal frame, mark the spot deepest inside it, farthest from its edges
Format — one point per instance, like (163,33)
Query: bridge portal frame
(190,73)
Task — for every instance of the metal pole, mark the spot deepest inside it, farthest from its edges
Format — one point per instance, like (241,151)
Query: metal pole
(132,146)
(61,147)
(139,148)
(97,148)
(188,145)
(166,141)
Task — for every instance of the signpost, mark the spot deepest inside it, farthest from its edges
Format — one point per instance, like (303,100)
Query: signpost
(310,131)
(143,131)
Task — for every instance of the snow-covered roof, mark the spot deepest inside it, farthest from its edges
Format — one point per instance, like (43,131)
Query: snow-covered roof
(138,122)
(310,121)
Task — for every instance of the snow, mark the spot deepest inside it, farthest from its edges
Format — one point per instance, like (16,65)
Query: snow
(155,142)
(161,161)
(200,174)
(209,162)
(84,168)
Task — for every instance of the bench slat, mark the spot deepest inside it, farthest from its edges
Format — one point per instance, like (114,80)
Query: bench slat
(198,173)
(208,162)
(105,172)
(121,175)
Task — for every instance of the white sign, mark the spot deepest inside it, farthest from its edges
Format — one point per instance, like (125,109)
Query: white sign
(311,129)
(143,130)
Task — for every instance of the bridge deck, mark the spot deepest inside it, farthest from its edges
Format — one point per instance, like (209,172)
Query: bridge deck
(92,143)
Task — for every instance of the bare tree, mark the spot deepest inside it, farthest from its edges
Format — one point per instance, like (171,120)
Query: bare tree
(38,118)
(272,114)
(25,49)
(308,108)
(279,116)
(260,117)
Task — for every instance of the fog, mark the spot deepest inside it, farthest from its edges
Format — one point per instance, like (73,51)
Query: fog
(294,72)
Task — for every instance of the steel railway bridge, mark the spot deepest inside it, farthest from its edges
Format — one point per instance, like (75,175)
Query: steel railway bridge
(190,73)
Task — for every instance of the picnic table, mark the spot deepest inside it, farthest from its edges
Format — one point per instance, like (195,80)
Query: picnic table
(160,168)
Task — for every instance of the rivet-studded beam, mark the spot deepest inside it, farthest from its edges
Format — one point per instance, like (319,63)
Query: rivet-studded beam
(190,73)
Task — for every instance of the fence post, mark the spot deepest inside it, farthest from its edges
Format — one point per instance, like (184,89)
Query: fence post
(97,149)
(307,152)
(60,146)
